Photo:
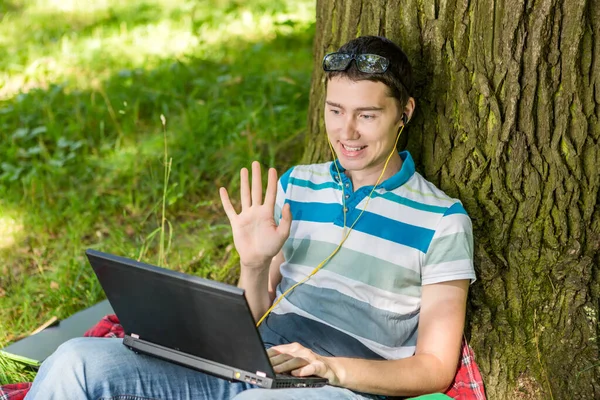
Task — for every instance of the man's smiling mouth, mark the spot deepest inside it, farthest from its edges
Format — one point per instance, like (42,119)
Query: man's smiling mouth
(348,148)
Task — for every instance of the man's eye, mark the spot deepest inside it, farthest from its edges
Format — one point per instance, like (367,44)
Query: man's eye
(368,116)
(335,112)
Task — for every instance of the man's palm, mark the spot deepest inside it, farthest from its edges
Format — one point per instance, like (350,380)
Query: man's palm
(256,236)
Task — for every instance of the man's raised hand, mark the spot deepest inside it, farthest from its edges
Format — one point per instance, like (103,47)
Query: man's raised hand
(256,236)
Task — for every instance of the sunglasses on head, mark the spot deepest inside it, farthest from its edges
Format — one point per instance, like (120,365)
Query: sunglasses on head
(367,63)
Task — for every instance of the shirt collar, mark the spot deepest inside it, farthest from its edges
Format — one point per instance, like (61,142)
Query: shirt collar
(393,182)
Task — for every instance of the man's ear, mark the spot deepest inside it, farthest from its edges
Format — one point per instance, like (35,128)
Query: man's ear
(409,109)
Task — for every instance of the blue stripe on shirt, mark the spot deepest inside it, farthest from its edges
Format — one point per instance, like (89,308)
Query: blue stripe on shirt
(411,203)
(398,232)
(312,185)
(373,224)
(314,212)
(456,208)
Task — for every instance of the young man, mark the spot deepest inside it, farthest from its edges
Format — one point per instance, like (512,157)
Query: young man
(357,270)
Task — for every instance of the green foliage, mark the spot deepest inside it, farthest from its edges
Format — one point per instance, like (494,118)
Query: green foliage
(83,86)
(13,372)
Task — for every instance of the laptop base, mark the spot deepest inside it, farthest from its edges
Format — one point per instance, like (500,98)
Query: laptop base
(220,371)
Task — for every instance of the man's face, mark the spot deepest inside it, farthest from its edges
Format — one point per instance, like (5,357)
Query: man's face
(362,121)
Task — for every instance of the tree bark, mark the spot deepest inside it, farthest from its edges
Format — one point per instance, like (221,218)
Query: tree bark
(508,107)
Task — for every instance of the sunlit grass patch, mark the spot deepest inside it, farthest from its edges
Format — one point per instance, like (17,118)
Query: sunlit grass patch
(69,41)
(11,228)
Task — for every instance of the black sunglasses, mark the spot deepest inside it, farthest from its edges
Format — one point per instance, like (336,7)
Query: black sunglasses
(367,63)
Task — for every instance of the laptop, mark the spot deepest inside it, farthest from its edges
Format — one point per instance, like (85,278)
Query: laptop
(198,323)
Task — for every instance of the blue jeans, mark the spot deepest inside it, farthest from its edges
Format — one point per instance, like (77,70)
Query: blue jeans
(102,369)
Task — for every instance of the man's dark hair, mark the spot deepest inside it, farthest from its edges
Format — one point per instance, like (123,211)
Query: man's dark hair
(397,77)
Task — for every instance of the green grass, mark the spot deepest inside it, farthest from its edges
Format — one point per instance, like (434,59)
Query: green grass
(83,86)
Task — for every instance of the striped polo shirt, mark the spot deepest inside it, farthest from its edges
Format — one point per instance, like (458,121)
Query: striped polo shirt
(365,301)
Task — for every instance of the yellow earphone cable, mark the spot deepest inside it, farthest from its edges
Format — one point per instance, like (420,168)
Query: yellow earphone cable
(322,264)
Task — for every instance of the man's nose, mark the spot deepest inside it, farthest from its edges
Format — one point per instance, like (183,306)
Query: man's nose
(349,131)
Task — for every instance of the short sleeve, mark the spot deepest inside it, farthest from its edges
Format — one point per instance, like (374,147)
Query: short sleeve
(282,188)
(450,254)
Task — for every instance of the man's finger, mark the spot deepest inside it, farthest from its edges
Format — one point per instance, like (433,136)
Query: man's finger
(307,370)
(280,359)
(271,193)
(290,365)
(227,206)
(244,189)
(285,223)
(286,348)
(271,352)
(256,184)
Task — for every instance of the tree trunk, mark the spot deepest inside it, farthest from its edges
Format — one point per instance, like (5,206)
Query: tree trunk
(508,101)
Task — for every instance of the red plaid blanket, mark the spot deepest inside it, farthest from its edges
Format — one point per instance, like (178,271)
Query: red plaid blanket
(468,384)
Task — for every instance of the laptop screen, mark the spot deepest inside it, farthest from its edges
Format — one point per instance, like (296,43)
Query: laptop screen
(196,316)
